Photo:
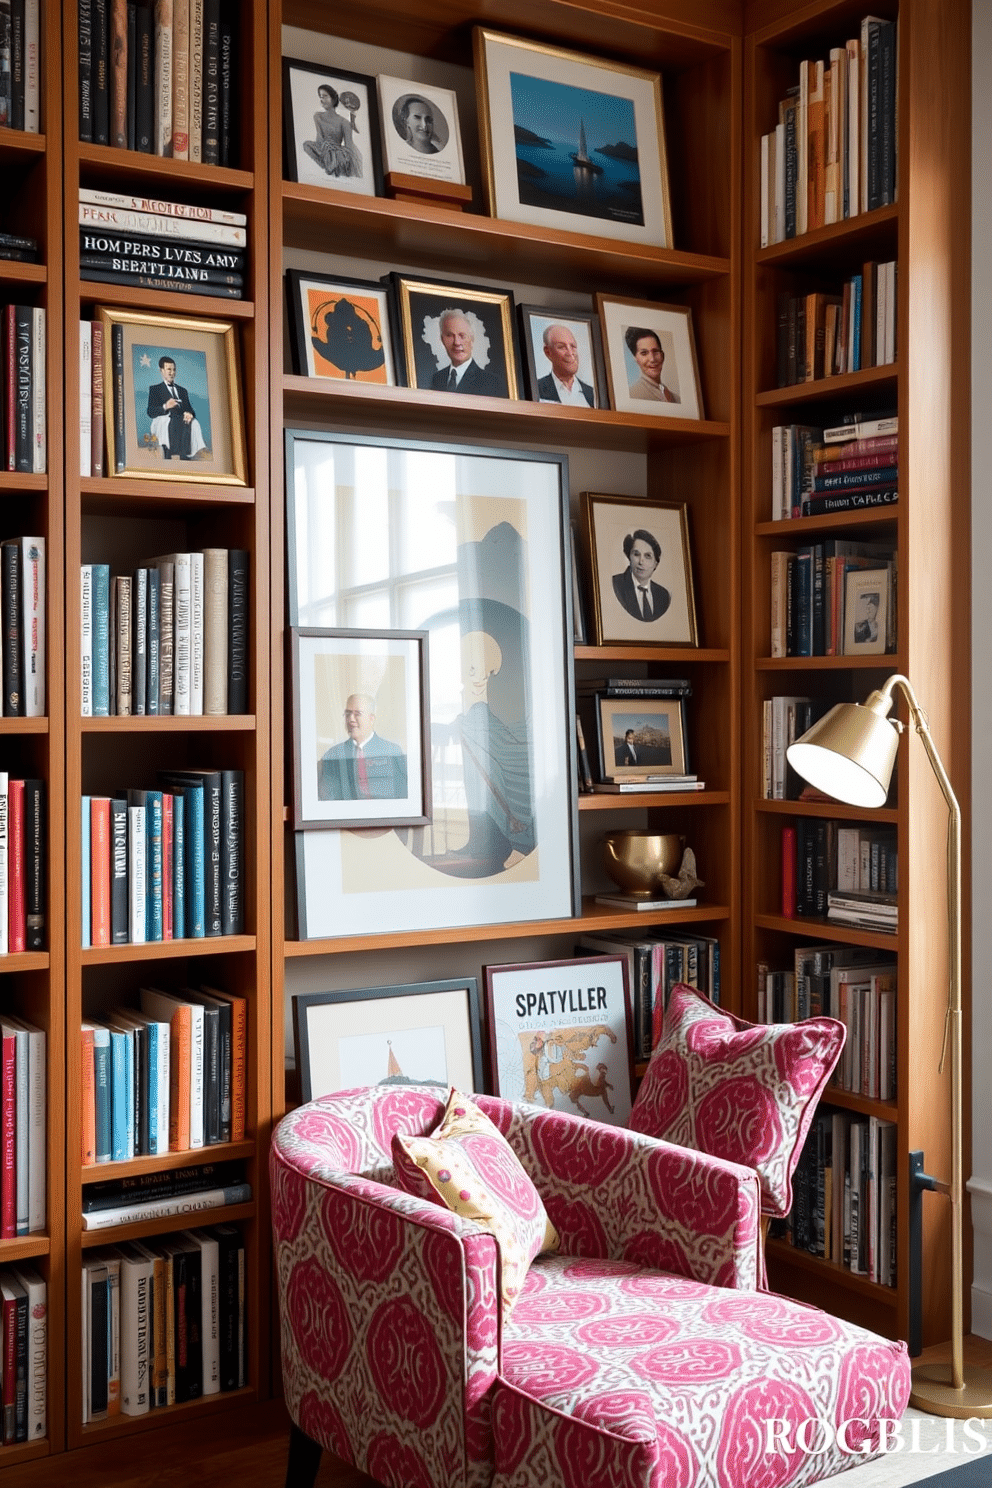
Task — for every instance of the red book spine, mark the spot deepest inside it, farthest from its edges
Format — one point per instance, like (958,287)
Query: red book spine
(100,870)
(856,462)
(167,852)
(10,368)
(789,872)
(17,932)
(8,1137)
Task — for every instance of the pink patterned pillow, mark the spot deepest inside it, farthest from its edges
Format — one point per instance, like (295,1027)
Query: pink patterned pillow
(468,1166)
(742,1091)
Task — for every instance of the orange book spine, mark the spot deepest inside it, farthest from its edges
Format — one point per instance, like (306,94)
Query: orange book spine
(100,870)
(88,1099)
(180,1063)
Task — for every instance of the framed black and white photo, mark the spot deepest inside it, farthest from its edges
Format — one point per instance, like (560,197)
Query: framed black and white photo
(650,358)
(331,126)
(572,142)
(866,612)
(340,328)
(361,754)
(559,1035)
(469,545)
(420,132)
(456,338)
(426,1033)
(640,571)
(564,356)
(638,735)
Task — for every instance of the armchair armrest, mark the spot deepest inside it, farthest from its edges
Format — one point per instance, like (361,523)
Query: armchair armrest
(619,1195)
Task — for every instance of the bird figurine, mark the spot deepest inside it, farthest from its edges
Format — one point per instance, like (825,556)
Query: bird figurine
(682,886)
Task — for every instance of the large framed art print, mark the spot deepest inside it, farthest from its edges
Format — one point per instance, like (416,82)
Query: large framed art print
(469,546)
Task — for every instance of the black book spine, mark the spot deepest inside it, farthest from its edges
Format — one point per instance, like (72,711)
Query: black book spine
(782,341)
(821,868)
(167,1184)
(213,831)
(99,1361)
(131,74)
(887,122)
(819,619)
(149,281)
(85,11)
(232,850)
(154,622)
(211,1077)
(161,275)
(211,82)
(139,641)
(873,121)
(101,80)
(194,1322)
(24,422)
(142,1145)
(5,28)
(34,865)
(111,243)
(144,75)
(21,1374)
(17,64)
(118,872)
(225,1060)
(228,1245)
(180,1321)
(228,72)
(10,599)
(237,640)
(117,372)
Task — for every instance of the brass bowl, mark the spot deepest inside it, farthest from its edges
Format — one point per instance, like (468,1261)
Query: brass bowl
(636,860)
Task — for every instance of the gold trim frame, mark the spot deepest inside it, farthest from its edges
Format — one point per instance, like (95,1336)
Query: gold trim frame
(609,522)
(420,357)
(496,55)
(671,326)
(133,449)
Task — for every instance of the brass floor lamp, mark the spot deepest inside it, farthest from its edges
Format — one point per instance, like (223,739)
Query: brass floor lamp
(850,754)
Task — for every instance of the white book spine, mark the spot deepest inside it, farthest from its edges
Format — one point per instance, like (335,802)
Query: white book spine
(37,1361)
(778,472)
(22,1127)
(33,624)
(182,634)
(196,1077)
(85,397)
(764,235)
(39,442)
(163,77)
(853,49)
(213,1198)
(123,203)
(86,640)
(136,1330)
(136,855)
(32,67)
(37,1129)
(196,80)
(196,633)
(210,1315)
(153,224)
(4,868)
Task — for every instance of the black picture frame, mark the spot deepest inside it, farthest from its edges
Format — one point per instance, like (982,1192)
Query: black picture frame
(299,165)
(632,712)
(585,327)
(311,295)
(419,304)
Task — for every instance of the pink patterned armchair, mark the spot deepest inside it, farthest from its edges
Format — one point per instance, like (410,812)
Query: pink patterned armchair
(645,1353)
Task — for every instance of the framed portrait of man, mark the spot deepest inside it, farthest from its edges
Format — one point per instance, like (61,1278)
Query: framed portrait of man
(564,357)
(640,571)
(456,338)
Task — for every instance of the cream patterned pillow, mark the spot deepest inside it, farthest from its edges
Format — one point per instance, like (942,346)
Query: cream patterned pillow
(468,1166)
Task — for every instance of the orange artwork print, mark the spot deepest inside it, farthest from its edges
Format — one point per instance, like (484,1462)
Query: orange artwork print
(346,337)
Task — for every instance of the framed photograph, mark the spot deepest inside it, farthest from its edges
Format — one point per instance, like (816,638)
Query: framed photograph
(175,413)
(564,357)
(638,734)
(361,755)
(640,571)
(650,358)
(456,338)
(428,1033)
(572,142)
(559,1035)
(471,546)
(331,126)
(340,328)
(866,612)
(420,131)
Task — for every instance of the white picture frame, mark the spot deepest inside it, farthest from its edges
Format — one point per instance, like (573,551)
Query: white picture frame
(866,612)
(419,130)
(636,333)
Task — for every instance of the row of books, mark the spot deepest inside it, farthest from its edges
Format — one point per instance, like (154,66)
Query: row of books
(809,877)
(20,249)
(23,1354)
(655,964)
(844,1195)
(826,335)
(805,459)
(158,76)
(164,864)
(167,1076)
(127,239)
(833,598)
(20,65)
(833,151)
(163,1321)
(22,389)
(23,865)
(23,583)
(784,719)
(23,1106)
(170,638)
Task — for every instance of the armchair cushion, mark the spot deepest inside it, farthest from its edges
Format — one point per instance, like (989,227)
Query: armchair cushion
(467,1165)
(742,1091)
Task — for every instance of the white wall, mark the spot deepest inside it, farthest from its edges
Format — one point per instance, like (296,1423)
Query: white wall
(980,1185)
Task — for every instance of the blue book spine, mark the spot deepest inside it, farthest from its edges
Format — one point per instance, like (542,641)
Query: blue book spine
(154,878)
(179,866)
(102,1074)
(196,880)
(120,1112)
(152,1102)
(101,640)
(885,475)
(856,292)
(84,849)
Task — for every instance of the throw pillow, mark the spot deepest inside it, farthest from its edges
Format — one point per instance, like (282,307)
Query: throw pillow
(742,1091)
(468,1166)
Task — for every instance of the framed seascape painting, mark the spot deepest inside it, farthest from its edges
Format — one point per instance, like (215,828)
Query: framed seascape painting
(640,571)
(428,1033)
(572,142)
(470,546)
(340,328)
(331,126)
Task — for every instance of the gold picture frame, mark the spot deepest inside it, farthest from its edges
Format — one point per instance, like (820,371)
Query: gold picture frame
(197,433)
(424,308)
(650,353)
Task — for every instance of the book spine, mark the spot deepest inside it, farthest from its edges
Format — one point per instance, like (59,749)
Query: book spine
(218,1198)
(232,851)
(154,224)
(105,245)
(227,75)
(16,887)
(97,399)
(180,79)
(144,81)
(196,80)
(117,372)
(12,63)
(10,599)
(196,1076)
(168,876)
(88,1097)
(182,634)
(122,587)
(237,646)
(159,208)
(24,435)
(789,850)
(180,1078)
(84,10)
(102,1086)
(196,619)
(163,78)
(33,624)
(154,628)
(178,866)
(85,397)
(131,80)
(4,864)
(154,820)
(39,434)
(166,637)
(211,82)
(34,865)
(215,630)
(136,1318)
(213,814)
(99,870)
(118,70)
(100,664)
(139,642)
(101,92)
(137,858)
(86,640)
(118,871)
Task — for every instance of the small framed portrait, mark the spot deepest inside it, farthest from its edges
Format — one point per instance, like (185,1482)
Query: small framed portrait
(866,612)
(175,413)
(360,749)
(638,735)
(340,328)
(650,358)
(456,338)
(420,131)
(331,127)
(427,1033)
(559,1035)
(640,571)
(572,142)
(564,356)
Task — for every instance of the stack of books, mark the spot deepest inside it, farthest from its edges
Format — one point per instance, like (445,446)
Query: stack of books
(161,245)
(158,76)
(163,1321)
(833,152)
(866,910)
(655,964)
(168,1077)
(784,719)
(171,638)
(20,65)
(18,248)
(814,865)
(818,471)
(825,335)
(24,1346)
(22,389)
(23,1160)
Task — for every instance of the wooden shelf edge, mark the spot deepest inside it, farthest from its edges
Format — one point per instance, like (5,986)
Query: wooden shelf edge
(828,523)
(780,1252)
(24,273)
(828,809)
(168,301)
(822,930)
(796,250)
(164,950)
(21,142)
(16,480)
(25,961)
(136,1229)
(185,173)
(162,1162)
(170,723)
(24,725)
(121,1425)
(671,655)
(24,1248)
(864,1105)
(116,490)
(828,387)
(610,801)
(889,662)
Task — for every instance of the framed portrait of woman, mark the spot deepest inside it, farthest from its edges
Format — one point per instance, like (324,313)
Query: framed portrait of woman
(420,133)
(650,358)
(640,571)
(331,128)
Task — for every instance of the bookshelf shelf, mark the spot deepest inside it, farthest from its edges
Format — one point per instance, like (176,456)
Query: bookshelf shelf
(157,175)
(827,930)
(212,723)
(17,146)
(828,809)
(23,726)
(169,1417)
(25,961)
(651,800)
(166,950)
(24,1248)
(781,1254)
(13,272)
(886,664)
(195,1157)
(139,1228)
(165,301)
(846,385)
(13,480)
(133,496)
(665,655)
(847,1100)
(869,235)
(869,522)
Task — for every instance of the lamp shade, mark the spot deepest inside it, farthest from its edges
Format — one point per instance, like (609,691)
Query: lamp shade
(850,752)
